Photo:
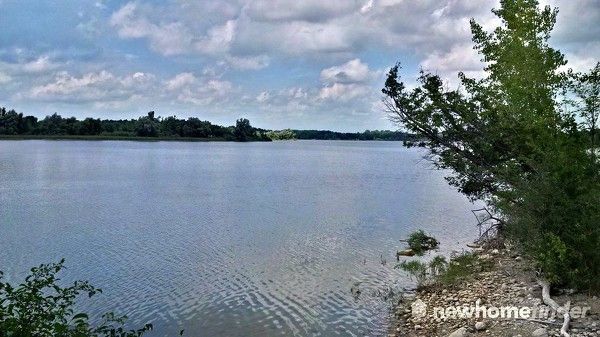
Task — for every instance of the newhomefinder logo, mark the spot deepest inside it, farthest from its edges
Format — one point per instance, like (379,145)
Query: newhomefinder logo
(420,310)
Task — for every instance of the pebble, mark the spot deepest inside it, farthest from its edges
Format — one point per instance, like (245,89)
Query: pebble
(461,332)
(541,332)
(480,326)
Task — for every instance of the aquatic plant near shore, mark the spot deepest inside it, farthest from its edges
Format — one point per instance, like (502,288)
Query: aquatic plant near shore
(439,271)
(418,243)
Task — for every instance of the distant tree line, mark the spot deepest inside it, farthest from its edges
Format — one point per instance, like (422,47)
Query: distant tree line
(366,135)
(13,123)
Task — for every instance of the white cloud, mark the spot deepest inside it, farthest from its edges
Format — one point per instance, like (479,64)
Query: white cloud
(306,10)
(580,63)
(367,7)
(90,87)
(41,64)
(247,63)
(244,28)
(180,81)
(349,72)
(217,39)
(461,58)
(165,38)
(4,78)
(199,90)
(263,97)
(343,92)
(347,81)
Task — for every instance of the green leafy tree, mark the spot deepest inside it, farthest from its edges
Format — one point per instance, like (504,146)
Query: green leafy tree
(507,141)
(147,126)
(243,131)
(171,126)
(90,126)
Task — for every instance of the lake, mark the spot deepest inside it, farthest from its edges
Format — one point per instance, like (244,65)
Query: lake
(223,238)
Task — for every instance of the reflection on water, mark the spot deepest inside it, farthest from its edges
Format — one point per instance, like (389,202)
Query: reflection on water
(226,239)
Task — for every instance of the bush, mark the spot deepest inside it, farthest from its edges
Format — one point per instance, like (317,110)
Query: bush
(419,242)
(41,307)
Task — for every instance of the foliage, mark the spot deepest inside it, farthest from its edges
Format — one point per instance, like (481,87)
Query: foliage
(416,269)
(243,131)
(286,134)
(462,267)
(41,307)
(366,135)
(438,265)
(13,124)
(586,87)
(419,242)
(441,272)
(508,140)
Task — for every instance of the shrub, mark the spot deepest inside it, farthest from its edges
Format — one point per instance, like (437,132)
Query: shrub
(41,307)
(419,242)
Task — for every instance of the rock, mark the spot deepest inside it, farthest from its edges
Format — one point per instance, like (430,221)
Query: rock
(480,326)
(406,252)
(541,332)
(462,332)
(473,245)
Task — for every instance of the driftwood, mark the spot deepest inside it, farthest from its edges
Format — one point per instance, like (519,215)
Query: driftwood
(406,252)
(564,330)
(490,228)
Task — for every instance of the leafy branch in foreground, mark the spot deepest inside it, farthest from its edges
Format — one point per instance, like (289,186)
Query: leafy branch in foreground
(41,307)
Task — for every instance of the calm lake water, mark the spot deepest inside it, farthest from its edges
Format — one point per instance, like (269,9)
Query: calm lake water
(226,239)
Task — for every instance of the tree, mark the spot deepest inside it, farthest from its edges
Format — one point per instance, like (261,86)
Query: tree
(243,131)
(507,141)
(171,126)
(194,127)
(90,126)
(586,87)
(147,126)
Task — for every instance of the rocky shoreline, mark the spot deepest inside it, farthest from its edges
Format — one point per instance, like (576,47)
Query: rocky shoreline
(509,282)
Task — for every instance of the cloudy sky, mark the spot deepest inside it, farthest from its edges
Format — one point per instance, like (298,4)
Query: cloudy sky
(280,63)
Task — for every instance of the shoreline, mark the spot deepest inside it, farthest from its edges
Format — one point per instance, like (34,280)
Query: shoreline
(115,138)
(165,139)
(510,282)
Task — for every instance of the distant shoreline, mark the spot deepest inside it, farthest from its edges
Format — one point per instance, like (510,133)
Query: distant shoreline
(119,138)
(159,139)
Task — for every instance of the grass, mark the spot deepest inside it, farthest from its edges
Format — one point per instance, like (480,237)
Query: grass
(439,272)
(462,267)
